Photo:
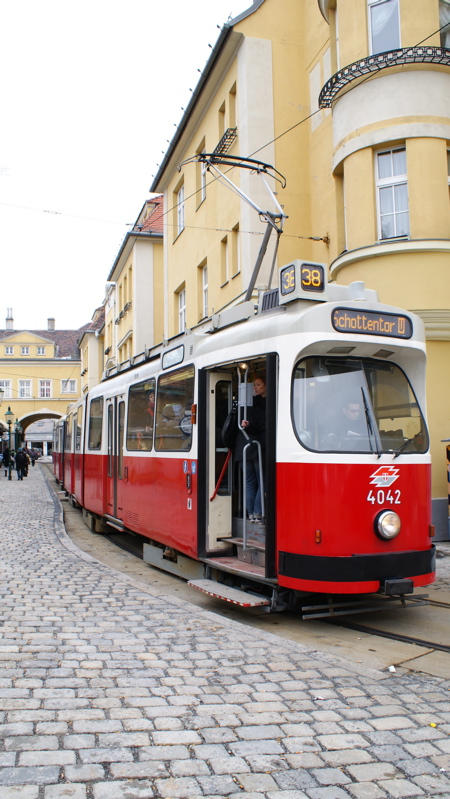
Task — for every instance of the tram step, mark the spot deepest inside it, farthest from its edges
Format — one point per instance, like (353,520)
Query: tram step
(254,552)
(252,543)
(229,594)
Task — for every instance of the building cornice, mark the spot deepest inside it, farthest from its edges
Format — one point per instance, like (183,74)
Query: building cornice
(388,248)
(436,321)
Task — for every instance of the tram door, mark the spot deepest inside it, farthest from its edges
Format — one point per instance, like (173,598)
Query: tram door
(115,411)
(219,496)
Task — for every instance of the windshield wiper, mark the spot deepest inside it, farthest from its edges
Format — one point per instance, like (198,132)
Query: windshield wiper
(370,428)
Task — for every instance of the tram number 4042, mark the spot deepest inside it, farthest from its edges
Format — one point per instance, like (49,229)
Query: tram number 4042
(381,497)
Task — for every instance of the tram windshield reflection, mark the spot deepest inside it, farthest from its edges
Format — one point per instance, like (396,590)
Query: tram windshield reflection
(356,405)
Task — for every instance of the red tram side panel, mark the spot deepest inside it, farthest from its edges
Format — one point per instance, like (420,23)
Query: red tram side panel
(160,501)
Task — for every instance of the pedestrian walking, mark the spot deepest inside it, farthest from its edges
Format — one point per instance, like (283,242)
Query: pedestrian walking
(21,464)
(6,460)
(28,461)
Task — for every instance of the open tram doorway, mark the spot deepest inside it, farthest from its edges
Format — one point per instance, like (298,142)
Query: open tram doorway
(240,543)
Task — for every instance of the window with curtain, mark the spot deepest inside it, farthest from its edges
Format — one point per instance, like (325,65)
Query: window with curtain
(384,25)
(444,22)
(392,191)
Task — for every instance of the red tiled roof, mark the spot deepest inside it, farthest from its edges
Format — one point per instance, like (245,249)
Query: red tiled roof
(154,222)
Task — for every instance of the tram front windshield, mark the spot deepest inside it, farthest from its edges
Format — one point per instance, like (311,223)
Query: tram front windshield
(356,405)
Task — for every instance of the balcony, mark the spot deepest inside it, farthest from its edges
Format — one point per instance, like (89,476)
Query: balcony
(375,63)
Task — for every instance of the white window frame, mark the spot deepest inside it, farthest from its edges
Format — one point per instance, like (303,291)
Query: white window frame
(25,389)
(68,386)
(6,385)
(41,350)
(180,210)
(203,171)
(45,389)
(205,292)
(9,350)
(444,19)
(391,181)
(371,4)
(24,350)
(182,311)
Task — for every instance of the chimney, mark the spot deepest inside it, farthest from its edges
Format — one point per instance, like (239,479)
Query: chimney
(9,320)
(50,324)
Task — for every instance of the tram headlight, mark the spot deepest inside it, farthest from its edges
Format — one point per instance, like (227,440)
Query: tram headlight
(387,524)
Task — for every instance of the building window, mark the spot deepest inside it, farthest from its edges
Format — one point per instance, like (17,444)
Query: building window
(203,171)
(448,167)
(25,350)
(182,311)
(232,103)
(235,252)
(384,25)
(180,210)
(9,350)
(205,291)
(41,350)
(444,22)
(45,389)
(5,385)
(221,120)
(24,389)
(201,175)
(392,194)
(68,386)
(224,255)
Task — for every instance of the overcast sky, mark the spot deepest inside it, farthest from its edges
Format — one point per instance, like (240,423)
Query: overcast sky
(90,92)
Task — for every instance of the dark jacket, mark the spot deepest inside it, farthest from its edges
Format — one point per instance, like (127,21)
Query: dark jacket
(21,460)
(256,431)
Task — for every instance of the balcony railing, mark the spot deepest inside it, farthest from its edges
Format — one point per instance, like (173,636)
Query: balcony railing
(375,63)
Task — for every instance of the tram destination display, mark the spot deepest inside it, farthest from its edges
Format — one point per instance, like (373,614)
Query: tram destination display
(371,323)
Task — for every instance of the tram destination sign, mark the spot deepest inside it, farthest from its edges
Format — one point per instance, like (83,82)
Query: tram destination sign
(371,323)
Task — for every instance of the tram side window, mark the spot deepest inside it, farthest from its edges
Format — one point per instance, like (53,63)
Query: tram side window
(68,436)
(141,415)
(78,429)
(173,430)
(95,423)
(121,432)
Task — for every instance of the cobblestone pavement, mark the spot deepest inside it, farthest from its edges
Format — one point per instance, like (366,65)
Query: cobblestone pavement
(111,690)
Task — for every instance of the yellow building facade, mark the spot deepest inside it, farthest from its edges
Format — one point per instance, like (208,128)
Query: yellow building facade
(389,98)
(350,101)
(39,376)
(133,306)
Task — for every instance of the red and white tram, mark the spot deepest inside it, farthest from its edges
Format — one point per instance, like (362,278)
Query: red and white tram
(347,508)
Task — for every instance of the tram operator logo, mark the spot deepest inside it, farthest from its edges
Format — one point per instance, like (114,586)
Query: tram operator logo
(384,476)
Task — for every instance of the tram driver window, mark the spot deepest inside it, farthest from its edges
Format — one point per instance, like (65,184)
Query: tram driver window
(173,428)
(95,423)
(141,415)
(356,405)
